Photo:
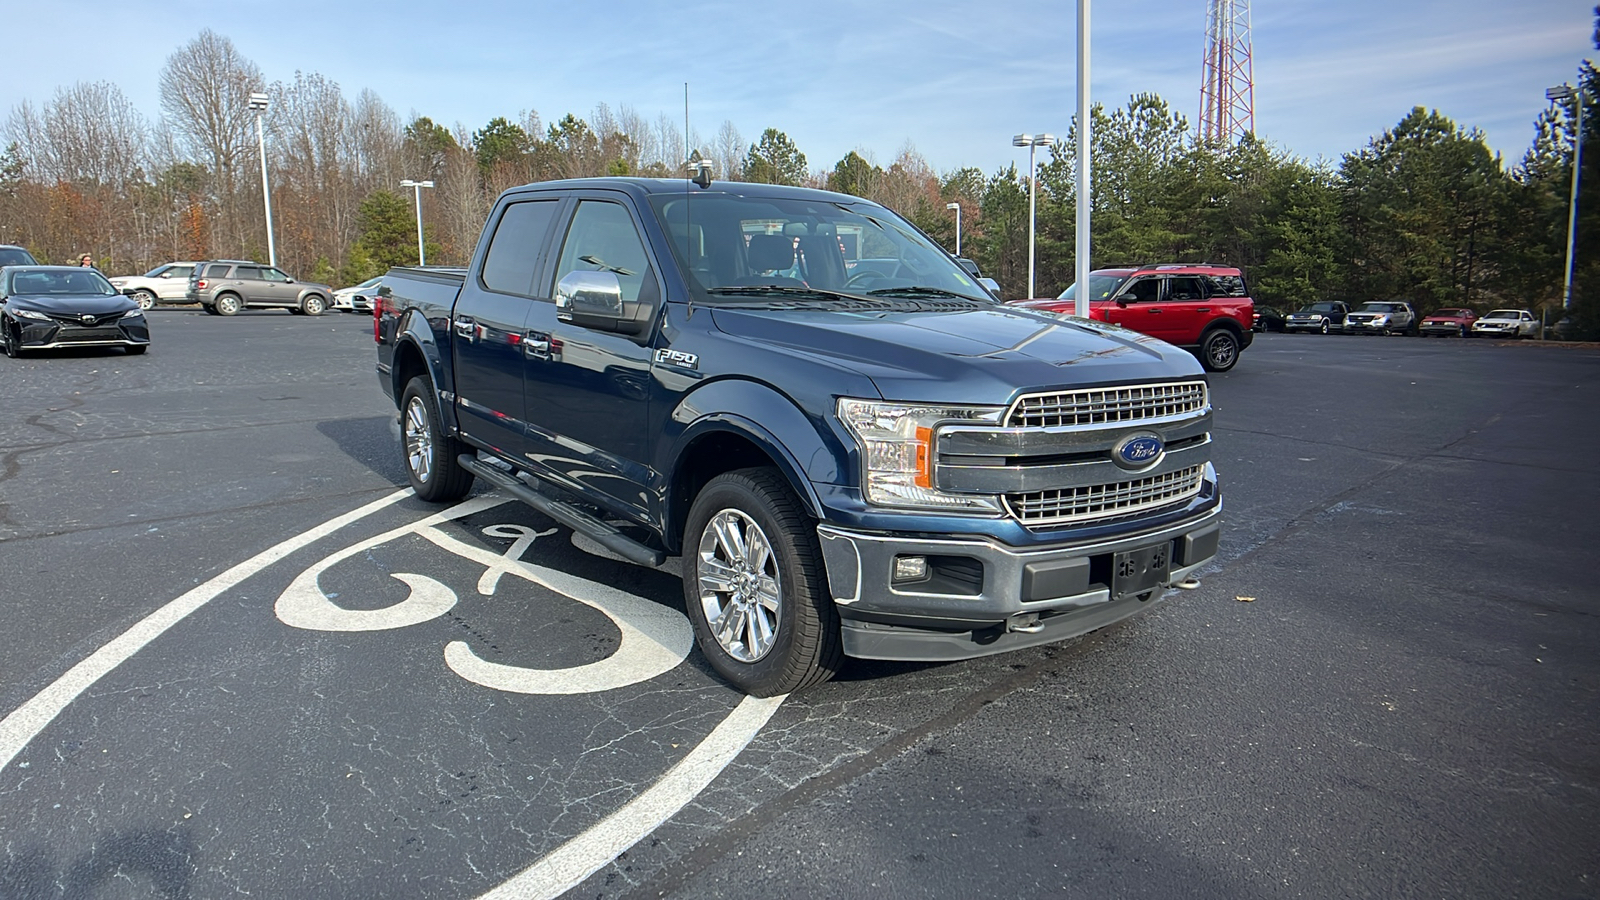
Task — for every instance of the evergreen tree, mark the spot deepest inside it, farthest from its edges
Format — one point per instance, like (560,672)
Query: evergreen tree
(775,160)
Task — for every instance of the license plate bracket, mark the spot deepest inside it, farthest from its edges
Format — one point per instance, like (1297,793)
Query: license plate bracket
(1137,571)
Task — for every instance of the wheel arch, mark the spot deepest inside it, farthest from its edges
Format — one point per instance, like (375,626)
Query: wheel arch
(725,442)
(416,353)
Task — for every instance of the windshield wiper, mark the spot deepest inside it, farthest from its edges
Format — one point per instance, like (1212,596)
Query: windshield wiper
(783,290)
(918,291)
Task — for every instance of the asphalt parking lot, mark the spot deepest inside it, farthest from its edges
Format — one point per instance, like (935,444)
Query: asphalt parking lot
(241,661)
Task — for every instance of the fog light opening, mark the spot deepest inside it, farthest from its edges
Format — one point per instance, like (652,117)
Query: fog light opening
(910,568)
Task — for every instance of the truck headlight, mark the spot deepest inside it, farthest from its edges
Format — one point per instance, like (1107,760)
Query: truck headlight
(896,442)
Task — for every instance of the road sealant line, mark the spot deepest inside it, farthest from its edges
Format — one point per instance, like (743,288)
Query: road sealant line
(25,722)
(568,865)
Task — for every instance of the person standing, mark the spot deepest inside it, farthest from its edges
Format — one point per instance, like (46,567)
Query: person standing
(86,261)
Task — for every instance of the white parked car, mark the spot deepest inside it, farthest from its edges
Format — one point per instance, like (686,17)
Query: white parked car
(169,282)
(1506,323)
(357,297)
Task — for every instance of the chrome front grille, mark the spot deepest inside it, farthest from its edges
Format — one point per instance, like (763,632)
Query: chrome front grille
(1108,406)
(1070,505)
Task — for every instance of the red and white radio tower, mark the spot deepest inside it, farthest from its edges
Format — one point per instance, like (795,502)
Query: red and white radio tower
(1227,89)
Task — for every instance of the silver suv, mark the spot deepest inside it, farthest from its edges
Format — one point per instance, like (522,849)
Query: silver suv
(225,286)
(1382,317)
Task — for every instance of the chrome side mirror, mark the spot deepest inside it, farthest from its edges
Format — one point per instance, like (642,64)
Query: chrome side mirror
(588,295)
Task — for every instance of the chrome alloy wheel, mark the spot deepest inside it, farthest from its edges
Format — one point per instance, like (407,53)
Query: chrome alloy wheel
(739,591)
(419,440)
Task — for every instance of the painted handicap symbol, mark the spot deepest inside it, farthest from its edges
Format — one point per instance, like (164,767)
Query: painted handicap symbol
(654,639)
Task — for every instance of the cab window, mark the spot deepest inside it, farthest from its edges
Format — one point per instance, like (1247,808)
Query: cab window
(513,255)
(602,239)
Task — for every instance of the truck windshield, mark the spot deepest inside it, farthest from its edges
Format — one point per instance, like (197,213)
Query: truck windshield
(723,242)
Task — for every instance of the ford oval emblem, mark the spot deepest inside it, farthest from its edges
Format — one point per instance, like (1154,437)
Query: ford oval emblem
(1139,451)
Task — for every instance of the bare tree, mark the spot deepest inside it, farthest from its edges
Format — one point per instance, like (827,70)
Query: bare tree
(205,94)
(727,153)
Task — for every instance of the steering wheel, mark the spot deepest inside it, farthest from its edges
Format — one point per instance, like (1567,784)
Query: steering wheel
(861,278)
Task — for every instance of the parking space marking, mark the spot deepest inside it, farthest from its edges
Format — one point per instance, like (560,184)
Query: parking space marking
(568,865)
(25,722)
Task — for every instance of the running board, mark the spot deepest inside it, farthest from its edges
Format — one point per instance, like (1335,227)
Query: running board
(602,533)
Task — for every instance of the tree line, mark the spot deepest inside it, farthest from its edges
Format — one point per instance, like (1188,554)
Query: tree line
(1424,212)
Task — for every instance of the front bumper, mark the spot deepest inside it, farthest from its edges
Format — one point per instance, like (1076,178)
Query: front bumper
(35,335)
(1366,328)
(982,597)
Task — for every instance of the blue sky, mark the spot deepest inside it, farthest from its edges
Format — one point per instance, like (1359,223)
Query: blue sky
(955,79)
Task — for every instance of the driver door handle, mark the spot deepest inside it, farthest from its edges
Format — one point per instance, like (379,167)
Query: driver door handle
(465,326)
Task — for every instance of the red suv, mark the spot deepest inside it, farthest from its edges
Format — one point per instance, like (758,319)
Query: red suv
(1203,308)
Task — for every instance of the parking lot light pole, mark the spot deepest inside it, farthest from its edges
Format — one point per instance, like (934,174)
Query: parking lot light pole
(1032,142)
(1559,93)
(417,187)
(258,102)
(957,208)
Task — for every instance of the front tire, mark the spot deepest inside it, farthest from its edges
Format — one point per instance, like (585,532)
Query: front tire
(137,349)
(755,587)
(1219,350)
(1324,326)
(145,299)
(13,351)
(228,305)
(313,305)
(430,454)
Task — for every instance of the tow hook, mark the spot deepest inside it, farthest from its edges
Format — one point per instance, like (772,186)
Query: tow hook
(1187,584)
(1027,623)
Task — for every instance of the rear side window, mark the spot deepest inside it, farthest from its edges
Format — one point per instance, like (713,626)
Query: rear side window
(1226,285)
(1182,289)
(247,273)
(508,267)
(11,256)
(219,270)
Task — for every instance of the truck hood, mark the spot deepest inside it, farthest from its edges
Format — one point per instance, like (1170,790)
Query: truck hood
(973,356)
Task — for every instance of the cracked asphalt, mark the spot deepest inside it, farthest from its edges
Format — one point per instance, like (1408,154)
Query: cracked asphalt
(1387,686)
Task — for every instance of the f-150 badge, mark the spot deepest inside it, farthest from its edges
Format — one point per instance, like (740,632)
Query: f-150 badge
(677,358)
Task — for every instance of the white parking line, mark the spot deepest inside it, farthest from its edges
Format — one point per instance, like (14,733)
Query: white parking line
(25,722)
(552,875)
(568,865)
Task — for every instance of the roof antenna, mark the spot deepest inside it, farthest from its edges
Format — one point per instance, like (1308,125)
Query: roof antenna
(698,168)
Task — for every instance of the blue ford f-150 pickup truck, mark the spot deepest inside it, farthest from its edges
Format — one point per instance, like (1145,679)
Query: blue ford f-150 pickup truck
(854,447)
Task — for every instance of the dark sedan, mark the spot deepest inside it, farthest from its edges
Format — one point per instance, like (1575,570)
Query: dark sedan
(1267,318)
(44,307)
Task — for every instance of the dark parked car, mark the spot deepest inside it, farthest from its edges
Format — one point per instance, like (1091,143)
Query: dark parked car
(44,307)
(12,255)
(1449,323)
(1268,318)
(1321,317)
(225,286)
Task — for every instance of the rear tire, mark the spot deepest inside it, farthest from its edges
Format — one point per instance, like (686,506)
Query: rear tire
(430,454)
(755,587)
(145,299)
(1219,350)
(227,305)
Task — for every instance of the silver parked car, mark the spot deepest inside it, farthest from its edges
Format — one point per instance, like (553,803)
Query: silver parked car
(169,282)
(225,286)
(357,297)
(1506,323)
